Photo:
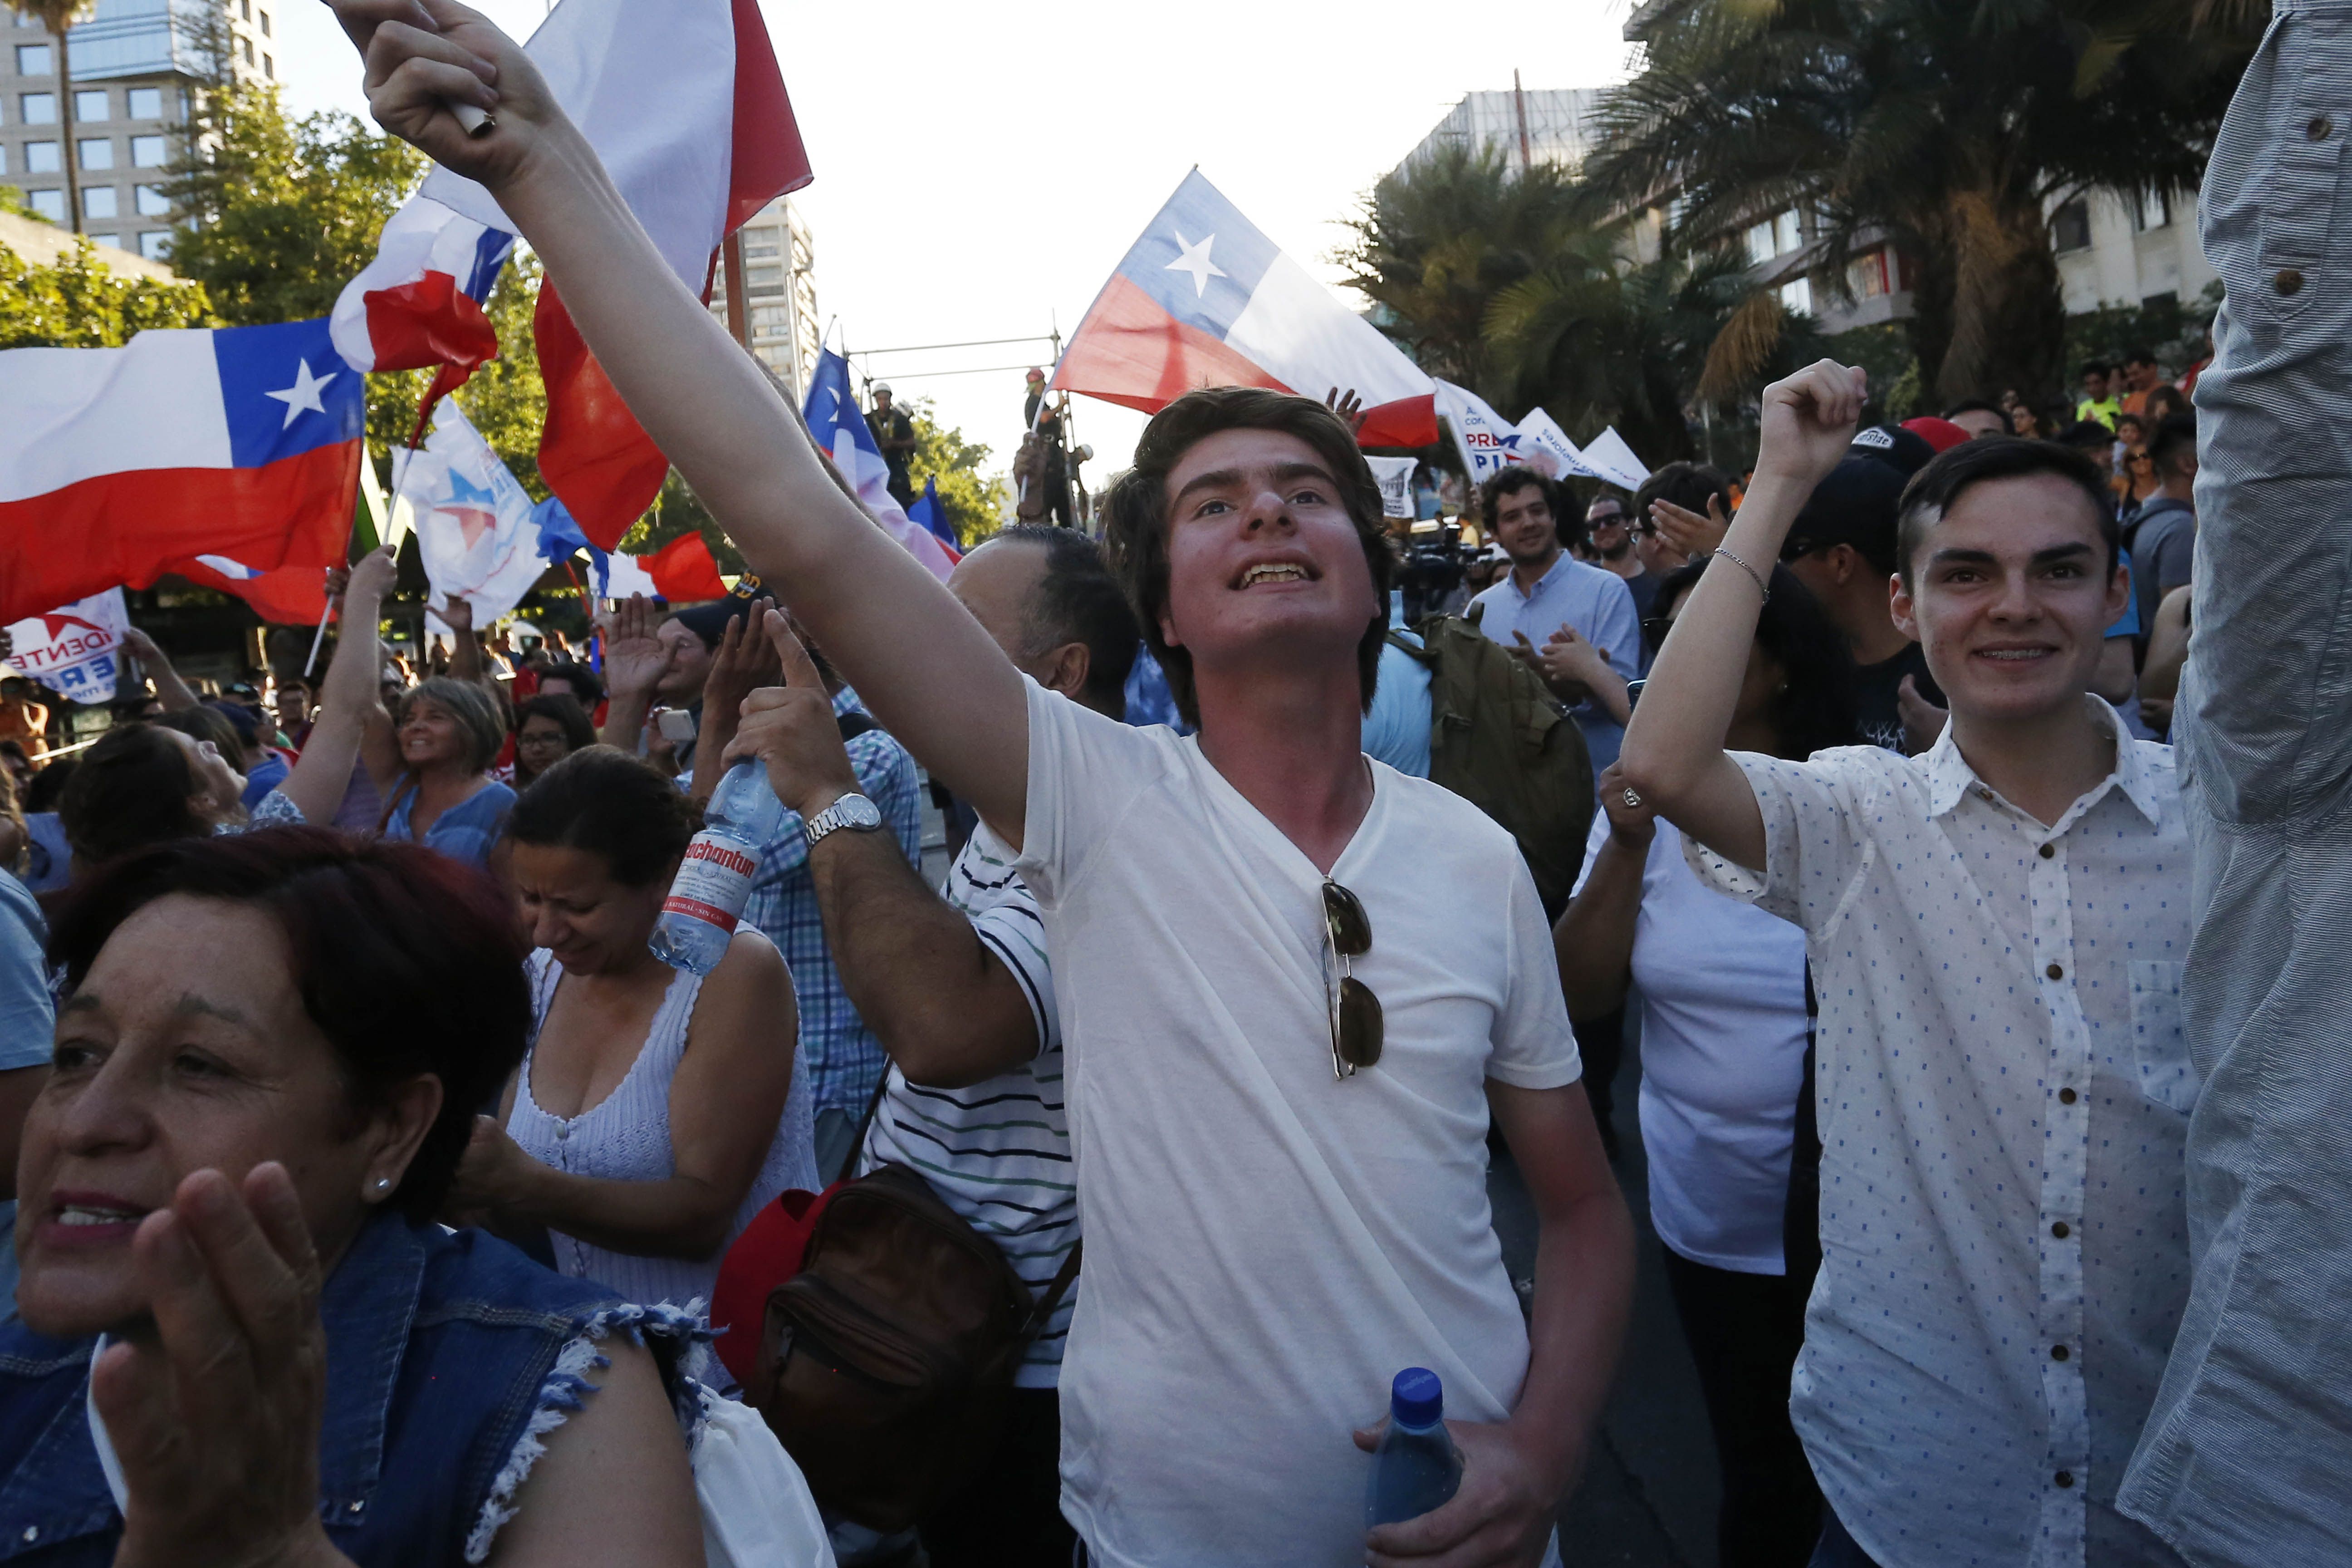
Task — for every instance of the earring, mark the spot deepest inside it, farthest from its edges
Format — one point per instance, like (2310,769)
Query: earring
(383,1184)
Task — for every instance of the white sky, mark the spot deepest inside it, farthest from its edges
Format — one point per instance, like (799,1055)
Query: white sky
(981,167)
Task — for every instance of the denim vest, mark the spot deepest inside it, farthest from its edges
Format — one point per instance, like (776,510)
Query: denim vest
(441,1349)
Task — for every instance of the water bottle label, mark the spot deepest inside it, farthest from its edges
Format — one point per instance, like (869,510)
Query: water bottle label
(713,882)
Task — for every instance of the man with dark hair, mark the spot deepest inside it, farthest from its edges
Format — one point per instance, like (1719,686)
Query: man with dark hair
(2163,538)
(1995,931)
(1273,1230)
(1841,545)
(2098,403)
(2140,377)
(1980,418)
(960,991)
(1608,527)
(1558,612)
(568,678)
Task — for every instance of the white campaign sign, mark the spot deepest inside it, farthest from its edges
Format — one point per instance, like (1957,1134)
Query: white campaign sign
(1489,442)
(1607,456)
(473,522)
(74,650)
(1395,478)
(1545,447)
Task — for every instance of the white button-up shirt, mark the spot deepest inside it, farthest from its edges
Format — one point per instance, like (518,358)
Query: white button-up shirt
(2003,1095)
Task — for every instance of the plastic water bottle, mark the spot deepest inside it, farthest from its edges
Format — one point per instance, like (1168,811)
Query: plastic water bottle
(714,879)
(1416,1468)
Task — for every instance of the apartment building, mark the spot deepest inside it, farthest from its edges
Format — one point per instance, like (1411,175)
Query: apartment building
(134,64)
(780,289)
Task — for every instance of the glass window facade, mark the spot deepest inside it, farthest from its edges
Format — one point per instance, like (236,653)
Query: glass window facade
(149,152)
(41,157)
(151,200)
(36,108)
(155,244)
(98,201)
(146,103)
(35,59)
(96,153)
(51,204)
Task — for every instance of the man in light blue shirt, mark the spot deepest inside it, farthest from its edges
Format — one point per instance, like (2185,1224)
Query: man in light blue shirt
(1550,592)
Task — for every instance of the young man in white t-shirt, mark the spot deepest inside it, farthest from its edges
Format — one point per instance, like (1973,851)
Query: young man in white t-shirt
(1270,1237)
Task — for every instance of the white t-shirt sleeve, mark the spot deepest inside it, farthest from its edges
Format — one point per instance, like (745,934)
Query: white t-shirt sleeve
(1533,1045)
(1085,771)
(1812,853)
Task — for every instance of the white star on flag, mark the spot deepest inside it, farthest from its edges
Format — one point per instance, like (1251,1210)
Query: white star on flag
(1194,259)
(302,397)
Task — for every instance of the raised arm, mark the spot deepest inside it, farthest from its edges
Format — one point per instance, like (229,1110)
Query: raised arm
(349,699)
(930,675)
(1674,757)
(170,689)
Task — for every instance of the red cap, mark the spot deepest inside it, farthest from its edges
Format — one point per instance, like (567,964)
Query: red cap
(1940,434)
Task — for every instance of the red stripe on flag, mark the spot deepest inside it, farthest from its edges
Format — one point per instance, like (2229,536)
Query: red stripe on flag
(1129,351)
(428,321)
(289,596)
(591,452)
(768,157)
(1407,422)
(127,529)
(684,572)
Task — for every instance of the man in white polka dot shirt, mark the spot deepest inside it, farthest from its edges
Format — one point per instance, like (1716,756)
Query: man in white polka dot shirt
(1996,929)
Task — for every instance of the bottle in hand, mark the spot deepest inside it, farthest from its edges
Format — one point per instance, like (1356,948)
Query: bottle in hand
(714,879)
(1416,1468)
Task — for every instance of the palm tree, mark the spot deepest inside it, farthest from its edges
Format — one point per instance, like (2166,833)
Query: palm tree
(1437,240)
(1949,126)
(58,16)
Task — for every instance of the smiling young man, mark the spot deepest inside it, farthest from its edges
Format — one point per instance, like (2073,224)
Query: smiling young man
(1284,1206)
(1996,931)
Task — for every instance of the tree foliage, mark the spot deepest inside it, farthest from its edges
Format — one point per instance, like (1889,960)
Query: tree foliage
(77,302)
(974,499)
(1948,126)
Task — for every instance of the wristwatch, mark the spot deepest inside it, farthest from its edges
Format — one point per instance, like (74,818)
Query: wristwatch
(851,811)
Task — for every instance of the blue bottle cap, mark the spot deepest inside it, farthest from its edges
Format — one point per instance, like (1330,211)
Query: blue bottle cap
(1417,1398)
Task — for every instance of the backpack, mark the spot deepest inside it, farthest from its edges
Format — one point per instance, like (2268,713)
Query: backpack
(877,1334)
(1500,740)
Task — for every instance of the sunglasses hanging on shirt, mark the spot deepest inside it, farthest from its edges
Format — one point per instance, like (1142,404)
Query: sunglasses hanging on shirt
(1356,1023)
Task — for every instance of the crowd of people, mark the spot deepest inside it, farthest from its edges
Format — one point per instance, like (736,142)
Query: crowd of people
(380,1188)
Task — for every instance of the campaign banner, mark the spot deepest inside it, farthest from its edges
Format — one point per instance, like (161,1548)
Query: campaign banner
(74,651)
(1395,478)
(1488,442)
(475,532)
(1607,456)
(1545,448)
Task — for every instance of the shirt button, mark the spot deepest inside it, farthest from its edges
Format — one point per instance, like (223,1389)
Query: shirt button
(2061,1230)
(2289,281)
(2319,127)
(2057,1353)
(2049,851)
(2067,1096)
(2056,972)
(2064,1478)
(562,1133)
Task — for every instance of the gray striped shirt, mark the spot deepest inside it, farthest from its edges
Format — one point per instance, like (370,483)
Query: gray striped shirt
(998,1152)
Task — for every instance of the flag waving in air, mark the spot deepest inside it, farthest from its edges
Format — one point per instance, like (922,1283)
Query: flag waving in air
(683,101)
(419,302)
(117,465)
(1204,300)
(833,419)
(476,531)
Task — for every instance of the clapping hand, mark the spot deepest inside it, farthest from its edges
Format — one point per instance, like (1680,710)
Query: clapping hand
(214,1413)
(791,729)
(1808,422)
(634,659)
(1348,405)
(1687,534)
(743,661)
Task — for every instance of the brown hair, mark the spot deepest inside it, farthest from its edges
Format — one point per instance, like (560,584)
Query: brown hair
(1136,521)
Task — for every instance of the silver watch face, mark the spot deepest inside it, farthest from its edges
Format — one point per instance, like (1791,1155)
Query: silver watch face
(856,812)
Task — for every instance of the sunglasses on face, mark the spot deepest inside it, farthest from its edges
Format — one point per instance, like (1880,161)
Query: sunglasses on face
(1356,1024)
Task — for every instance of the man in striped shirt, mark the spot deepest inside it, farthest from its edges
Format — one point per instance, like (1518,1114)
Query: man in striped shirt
(961,993)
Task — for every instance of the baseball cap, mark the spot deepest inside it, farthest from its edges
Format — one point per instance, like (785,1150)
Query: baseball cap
(249,728)
(1906,451)
(1035,374)
(1940,434)
(881,386)
(1857,505)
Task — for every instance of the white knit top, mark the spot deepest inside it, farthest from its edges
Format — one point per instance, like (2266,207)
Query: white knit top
(626,1137)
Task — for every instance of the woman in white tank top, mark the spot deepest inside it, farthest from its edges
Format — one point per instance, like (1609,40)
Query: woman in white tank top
(657,1112)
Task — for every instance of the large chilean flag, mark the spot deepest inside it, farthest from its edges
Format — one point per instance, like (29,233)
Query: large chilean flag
(1204,300)
(117,465)
(683,101)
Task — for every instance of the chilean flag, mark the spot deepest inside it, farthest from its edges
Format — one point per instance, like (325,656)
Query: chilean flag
(683,101)
(841,430)
(118,465)
(419,302)
(1204,300)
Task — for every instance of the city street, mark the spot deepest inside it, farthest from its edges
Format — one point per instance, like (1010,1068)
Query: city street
(1647,1499)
